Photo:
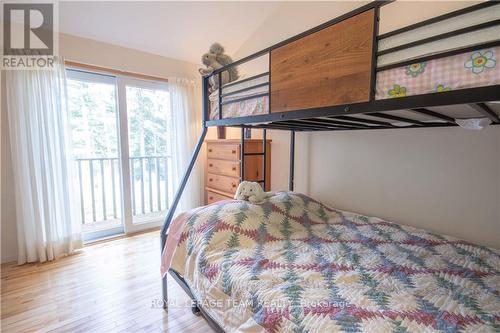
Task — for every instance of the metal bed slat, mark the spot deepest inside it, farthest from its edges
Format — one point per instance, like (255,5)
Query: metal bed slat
(337,123)
(304,129)
(486,111)
(277,126)
(397,118)
(434,114)
(313,126)
(291,125)
(363,120)
(316,122)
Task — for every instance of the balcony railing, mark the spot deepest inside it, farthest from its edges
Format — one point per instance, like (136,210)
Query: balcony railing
(99,186)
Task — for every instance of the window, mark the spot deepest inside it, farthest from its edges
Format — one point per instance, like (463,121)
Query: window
(120,144)
(148,110)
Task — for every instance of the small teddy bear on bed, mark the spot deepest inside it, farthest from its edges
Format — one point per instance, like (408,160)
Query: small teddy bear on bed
(252,192)
(215,59)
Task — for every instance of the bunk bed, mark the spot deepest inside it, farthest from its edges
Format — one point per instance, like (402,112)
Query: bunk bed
(441,72)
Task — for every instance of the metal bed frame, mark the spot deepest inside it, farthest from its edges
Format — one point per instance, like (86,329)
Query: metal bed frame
(342,117)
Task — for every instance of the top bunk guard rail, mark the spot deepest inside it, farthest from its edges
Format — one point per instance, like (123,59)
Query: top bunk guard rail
(458,97)
(439,18)
(444,35)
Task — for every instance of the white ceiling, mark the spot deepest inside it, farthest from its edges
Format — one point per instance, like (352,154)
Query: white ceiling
(184,30)
(181,30)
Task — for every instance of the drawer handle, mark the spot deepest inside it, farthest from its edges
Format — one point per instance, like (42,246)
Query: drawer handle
(233,151)
(210,165)
(210,180)
(233,185)
(211,198)
(234,168)
(210,150)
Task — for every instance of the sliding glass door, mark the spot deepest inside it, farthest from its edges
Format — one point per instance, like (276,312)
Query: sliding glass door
(145,129)
(92,102)
(147,112)
(120,140)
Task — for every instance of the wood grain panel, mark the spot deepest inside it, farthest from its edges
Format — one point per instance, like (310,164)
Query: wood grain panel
(329,67)
(230,151)
(223,183)
(224,167)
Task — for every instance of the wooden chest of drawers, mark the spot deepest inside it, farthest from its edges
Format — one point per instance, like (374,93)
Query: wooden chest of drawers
(223,167)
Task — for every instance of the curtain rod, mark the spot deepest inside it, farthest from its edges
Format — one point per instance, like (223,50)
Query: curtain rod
(113,71)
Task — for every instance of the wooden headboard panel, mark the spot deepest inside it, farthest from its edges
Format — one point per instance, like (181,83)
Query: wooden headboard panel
(329,67)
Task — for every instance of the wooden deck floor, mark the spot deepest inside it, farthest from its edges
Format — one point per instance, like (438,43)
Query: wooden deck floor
(108,287)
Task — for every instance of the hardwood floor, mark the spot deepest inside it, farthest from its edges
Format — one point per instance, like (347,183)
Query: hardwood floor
(108,287)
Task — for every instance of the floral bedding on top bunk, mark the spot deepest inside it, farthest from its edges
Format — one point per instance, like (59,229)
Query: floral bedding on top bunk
(249,107)
(467,70)
(292,264)
(254,105)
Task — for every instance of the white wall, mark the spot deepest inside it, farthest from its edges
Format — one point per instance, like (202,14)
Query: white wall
(89,52)
(445,180)
(441,179)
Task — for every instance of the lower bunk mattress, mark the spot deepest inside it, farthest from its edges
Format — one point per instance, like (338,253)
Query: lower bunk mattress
(291,264)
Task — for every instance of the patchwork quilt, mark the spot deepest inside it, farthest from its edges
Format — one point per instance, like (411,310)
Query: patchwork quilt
(292,264)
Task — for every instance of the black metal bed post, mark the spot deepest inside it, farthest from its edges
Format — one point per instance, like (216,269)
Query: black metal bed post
(172,208)
(264,159)
(185,178)
(242,155)
(219,101)
(292,159)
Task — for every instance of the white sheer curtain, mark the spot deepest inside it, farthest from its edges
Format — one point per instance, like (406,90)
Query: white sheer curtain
(185,129)
(47,225)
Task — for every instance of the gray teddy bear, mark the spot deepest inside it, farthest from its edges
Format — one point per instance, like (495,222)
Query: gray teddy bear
(216,59)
